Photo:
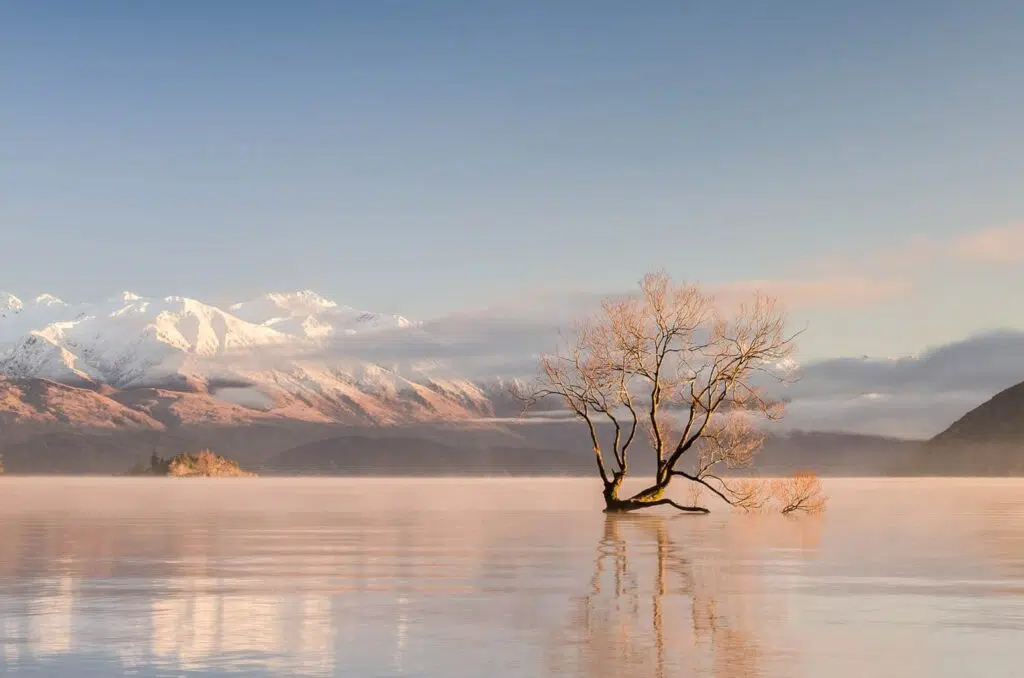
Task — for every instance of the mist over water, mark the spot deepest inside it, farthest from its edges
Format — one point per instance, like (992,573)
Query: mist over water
(470,577)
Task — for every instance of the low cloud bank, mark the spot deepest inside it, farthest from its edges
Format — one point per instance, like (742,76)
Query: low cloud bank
(912,396)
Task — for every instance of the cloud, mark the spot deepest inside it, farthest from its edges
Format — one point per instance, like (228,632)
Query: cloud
(914,396)
(863,278)
(1003,245)
(507,338)
(501,341)
(835,292)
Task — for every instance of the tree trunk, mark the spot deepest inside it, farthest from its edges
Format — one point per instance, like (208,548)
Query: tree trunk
(652,496)
(611,493)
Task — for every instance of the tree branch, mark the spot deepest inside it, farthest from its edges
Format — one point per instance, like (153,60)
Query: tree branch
(618,436)
(597,446)
(669,502)
(703,482)
(632,430)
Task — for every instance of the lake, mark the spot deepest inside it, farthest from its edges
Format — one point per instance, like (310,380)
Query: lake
(467,578)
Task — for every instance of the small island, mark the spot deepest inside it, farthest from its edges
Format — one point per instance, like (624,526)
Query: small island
(204,464)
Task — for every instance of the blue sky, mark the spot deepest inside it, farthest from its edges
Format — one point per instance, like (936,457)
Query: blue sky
(424,158)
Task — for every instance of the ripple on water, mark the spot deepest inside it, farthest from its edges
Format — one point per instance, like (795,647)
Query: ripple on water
(503,578)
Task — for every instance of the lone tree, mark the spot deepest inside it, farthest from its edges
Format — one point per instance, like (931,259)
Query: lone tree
(671,362)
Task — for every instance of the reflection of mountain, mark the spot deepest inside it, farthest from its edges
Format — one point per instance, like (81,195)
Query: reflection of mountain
(193,629)
(161,577)
(188,630)
(156,592)
(1001,528)
(49,630)
(191,623)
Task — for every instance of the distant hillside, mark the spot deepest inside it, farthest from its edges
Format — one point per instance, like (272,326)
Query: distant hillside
(50,427)
(988,440)
(29,406)
(397,456)
(836,454)
(53,428)
(84,453)
(998,420)
(524,452)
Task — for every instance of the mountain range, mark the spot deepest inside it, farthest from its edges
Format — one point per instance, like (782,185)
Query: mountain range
(296,383)
(255,360)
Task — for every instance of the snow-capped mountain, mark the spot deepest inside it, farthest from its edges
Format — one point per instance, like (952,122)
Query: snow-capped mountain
(307,314)
(265,353)
(124,341)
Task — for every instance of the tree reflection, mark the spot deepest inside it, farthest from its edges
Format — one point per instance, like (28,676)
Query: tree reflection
(651,611)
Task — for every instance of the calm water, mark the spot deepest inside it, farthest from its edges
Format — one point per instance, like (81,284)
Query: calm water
(468,578)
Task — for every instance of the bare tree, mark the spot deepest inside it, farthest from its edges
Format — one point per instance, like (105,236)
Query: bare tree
(673,364)
(802,492)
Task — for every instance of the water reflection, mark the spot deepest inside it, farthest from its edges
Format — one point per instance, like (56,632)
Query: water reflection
(652,611)
(321,594)
(155,595)
(197,581)
(181,630)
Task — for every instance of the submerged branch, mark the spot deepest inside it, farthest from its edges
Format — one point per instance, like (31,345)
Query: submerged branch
(687,509)
(635,504)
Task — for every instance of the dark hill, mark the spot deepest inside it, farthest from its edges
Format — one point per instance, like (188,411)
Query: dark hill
(988,440)
(70,453)
(998,420)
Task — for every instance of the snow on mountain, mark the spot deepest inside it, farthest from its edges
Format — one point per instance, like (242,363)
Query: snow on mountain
(309,315)
(121,341)
(9,303)
(280,305)
(40,355)
(130,341)
(49,300)
(301,357)
(309,327)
